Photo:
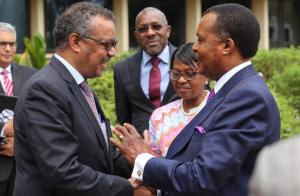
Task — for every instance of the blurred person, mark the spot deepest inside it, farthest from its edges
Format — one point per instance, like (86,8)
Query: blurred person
(61,132)
(214,154)
(276,172)
(142,82)
(12,77)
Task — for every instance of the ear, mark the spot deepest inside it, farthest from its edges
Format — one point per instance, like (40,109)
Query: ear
(169,29)
(228,46)
(74,42)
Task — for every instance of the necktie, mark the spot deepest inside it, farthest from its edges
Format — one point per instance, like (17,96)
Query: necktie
(8,86)
(211,94)
(90,99)
(154,83)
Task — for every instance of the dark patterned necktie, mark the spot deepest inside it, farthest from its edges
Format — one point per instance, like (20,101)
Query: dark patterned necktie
(154,83)
(91,101)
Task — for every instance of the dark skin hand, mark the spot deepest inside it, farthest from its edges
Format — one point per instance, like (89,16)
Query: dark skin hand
(129,142)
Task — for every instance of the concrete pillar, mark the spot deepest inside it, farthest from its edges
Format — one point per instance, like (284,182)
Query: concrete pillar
(260,9)
(193,14)
(120,9)
(37,17)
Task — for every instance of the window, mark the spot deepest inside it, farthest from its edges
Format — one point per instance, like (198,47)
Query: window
(18,16)
(54,8)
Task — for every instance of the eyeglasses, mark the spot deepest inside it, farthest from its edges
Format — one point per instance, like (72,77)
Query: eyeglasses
(154,27)
(108,45)
(188,75)
(4,44)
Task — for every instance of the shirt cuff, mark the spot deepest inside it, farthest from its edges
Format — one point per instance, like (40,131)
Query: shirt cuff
(139,165)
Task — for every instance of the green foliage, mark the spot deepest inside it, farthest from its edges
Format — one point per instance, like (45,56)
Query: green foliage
(103,87)
(35,52)
(276,60)
(287,84)
(290,119)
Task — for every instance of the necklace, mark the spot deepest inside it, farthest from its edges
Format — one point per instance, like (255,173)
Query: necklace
(195,110)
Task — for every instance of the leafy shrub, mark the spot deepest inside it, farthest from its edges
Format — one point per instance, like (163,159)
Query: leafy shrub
(277,59)
(290,119)
(103,87)
(35,52)
(287,84)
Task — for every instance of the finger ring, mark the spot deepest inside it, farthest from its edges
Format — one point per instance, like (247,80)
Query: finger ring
(121,137)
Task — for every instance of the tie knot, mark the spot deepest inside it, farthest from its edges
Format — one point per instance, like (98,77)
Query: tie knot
(155,61)
(211,94)
(4,72)
(85,87)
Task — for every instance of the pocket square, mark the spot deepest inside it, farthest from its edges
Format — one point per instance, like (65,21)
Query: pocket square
(200,129)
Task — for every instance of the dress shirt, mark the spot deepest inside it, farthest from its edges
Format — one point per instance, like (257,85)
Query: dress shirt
(164,66)
(142,159)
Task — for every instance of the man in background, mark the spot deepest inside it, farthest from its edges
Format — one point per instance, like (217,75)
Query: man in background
(12,77)
(142,81)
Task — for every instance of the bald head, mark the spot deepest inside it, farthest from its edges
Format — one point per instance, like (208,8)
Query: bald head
(154,11)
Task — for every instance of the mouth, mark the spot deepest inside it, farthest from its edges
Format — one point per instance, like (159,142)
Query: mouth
(152,43)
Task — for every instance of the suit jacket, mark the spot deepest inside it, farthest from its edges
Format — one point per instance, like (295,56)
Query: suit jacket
(218,160)
(132,105)
(59,145)
(20,75)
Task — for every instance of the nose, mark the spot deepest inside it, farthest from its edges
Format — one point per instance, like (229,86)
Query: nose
(111,52)
(181,79)
(194,47)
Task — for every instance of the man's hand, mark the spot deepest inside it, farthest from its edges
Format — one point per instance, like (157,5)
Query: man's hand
(7,145)
(9,128)
(130,142)
(144,191)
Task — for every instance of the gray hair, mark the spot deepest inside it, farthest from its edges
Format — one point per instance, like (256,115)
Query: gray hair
(8,27)
(77,19)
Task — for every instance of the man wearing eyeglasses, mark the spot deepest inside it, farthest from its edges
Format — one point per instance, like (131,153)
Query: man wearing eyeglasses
(62,133)
(142,81)
(12,77)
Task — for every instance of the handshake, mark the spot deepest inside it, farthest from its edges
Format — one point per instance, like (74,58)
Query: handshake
(131,144)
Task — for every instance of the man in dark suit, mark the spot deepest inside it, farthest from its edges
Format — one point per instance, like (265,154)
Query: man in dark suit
(214,154)
(135,101)
(12,77)
(61,132)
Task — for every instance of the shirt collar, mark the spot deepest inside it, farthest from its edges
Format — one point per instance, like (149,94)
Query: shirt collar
(221,82)
(164,56)
(8,69)
(75,74)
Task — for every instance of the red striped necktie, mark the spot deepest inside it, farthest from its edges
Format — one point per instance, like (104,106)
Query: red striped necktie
(8,85)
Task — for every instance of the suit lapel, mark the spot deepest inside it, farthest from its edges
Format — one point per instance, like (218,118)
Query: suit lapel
(134,67)
(75,89)
(185,135)
(16,79)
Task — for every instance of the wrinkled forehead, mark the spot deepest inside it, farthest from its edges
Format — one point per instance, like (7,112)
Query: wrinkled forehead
(150,17)
(7,35)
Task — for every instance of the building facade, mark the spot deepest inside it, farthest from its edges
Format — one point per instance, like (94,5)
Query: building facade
(278,18)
